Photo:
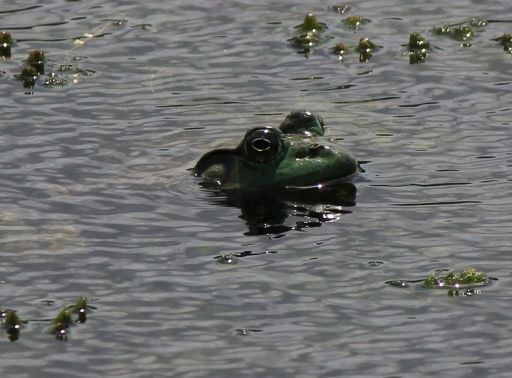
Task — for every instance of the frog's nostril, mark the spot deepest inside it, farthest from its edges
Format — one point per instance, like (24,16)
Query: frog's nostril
(314,149)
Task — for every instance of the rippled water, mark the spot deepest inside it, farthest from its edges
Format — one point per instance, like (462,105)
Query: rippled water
(96,198)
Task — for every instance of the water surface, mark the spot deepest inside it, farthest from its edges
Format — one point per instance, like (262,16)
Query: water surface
(97,199)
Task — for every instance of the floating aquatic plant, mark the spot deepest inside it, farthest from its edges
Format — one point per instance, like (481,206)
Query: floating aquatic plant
(417,42)
(305,40)
(28,77)
(463,32)
(309,33)
(354,22)
(417,48)
(80,308)
(311,23)
(464,283)
(506,41)
(365,48)
(5,44)
(11,323)
(340,49)
(61,324)
(467,277)
(36,59)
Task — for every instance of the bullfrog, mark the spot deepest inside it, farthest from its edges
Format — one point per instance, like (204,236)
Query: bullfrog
(293,155)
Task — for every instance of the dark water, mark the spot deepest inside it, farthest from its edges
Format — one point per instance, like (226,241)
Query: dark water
(96,199)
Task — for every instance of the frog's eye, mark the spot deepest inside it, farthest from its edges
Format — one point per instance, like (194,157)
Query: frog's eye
(262,144)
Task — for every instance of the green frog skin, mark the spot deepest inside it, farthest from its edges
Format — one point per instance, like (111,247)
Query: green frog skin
(291,156)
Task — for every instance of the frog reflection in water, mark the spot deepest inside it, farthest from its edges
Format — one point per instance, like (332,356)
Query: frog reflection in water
(277,172)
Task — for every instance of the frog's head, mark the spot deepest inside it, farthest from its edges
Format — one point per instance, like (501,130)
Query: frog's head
(270,158)
(303,122)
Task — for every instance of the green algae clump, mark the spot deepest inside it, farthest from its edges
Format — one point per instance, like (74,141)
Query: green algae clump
(354,22)
(365,48)
(506,41)
(417,42)
(61,324)
(340,49)
(417,48)
(28,77)
(309,33)
(463,32)
(306,40)
(464,283)
(36,59)
(311,23)
(12,324)
(468,277)
(5,44)
(80,308)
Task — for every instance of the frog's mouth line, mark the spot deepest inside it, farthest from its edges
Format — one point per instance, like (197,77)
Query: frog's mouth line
(326,183)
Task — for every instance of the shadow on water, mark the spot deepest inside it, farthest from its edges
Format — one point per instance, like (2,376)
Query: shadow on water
(266,213)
